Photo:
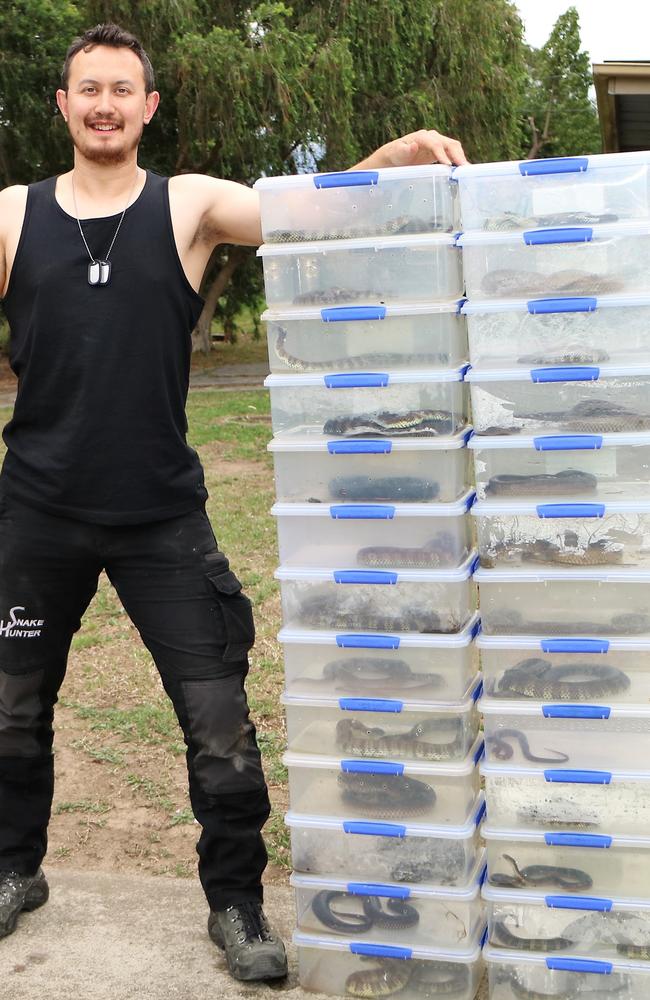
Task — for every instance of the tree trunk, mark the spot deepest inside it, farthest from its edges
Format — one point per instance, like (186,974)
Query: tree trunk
(201,336)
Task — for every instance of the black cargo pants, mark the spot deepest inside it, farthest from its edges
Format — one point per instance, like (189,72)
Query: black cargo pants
(177,588)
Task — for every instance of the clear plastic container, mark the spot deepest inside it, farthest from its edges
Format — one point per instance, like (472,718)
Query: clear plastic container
(514,975)
(612,670)
(428,601)
(407,536)
(539,263)
(419,915)
(564,400)
(558,191)
(383,728)
(405,852)
(429,792)
(357,203)
(367,338)
(515,532)
(362,271)
(366,664)
(563,467)
(563,734)
(568,862)
(609,329)
(605,927)
(565,601)
(369,405)
(342,967)
(590,800)
(419,470)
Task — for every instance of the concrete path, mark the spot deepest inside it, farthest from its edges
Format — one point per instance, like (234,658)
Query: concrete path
(126,937)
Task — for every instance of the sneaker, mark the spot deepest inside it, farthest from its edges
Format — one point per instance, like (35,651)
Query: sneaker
(18,893)
(253,951)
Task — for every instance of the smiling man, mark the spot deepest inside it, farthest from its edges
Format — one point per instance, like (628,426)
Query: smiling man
(99,272)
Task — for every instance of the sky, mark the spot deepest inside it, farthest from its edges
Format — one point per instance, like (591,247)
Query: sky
(609,29)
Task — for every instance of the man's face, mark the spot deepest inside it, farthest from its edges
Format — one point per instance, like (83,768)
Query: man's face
(106,107)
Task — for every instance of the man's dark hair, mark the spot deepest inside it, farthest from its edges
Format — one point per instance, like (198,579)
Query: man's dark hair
(108,34)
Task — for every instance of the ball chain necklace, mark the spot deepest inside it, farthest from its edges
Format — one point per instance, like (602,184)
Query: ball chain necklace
(99,271)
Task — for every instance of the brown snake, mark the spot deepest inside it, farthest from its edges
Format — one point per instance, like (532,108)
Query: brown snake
(412,423)
(440,551)
(390,976)
(358,740)
(358,362)
(506,281)
(593,416)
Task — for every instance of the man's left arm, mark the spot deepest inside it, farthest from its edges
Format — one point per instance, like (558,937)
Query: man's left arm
(232,213)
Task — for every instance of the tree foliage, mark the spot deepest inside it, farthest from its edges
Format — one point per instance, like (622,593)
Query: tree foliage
(559,117)
(271,87)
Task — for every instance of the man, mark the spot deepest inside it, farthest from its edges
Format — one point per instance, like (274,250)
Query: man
(99,272)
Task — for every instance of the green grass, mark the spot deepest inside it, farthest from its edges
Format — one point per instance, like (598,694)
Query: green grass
(147,724)
(83,806)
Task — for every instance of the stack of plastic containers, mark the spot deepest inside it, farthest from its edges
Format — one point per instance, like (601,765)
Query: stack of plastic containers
(556,258)
(370,420)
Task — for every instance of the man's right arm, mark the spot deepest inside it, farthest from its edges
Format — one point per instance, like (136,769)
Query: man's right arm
(13,201)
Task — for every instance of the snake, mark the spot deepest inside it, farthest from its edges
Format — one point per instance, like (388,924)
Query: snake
(398,914)
(613,929)
(370,673)
(568,482)
(325,612)
(500,935)
(507,281)
(510,220)
(593,416)
(573,354)
(359,362)
(391,975)
(358,740)
(399,226)
(571,879)
(503,751)
(413,423)
(411,488)
(386,795)
(437,552)
(336,295)
(603,552)
(510,622)
(537,678)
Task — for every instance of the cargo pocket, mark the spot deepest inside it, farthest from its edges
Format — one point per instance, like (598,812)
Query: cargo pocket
(236,611)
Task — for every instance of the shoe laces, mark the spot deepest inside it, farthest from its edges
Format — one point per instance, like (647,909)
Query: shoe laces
(250,920)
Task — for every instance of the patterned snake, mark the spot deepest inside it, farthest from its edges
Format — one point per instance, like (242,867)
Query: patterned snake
(500,935)
(322,611)
(397,915)
(602,552)
(386,795)
(573,354)
(511,622)
(568,482)
(506,281)
(438,552)
(583,933)
(368,674)
(571,879)
(413,423)
(538,679)
(593,416)
(399,226)
(391,975)
(358,740)
(503,751)
(359,362)
(510,220)
(411,488)
(573,990)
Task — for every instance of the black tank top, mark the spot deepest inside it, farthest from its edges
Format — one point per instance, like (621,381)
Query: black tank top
(99,426)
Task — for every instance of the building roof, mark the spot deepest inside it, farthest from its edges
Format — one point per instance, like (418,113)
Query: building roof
(623,96)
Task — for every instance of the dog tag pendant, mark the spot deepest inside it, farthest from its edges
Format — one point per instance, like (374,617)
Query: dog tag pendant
(99,272)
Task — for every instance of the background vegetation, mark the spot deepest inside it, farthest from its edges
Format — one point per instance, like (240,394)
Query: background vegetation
(260,88)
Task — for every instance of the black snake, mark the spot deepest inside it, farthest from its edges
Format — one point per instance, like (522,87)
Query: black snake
(358,362)
(503,751)
(511,622)
(539,679)
(385,795)
(570,879)
(358,740)
(367,674)
(397,915)
(384,423)
(568,482)
(411,488)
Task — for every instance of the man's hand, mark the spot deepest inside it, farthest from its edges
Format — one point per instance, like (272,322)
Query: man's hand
(416,148)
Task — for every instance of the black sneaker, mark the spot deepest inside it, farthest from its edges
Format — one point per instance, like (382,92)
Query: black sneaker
(18,893)
(253,951)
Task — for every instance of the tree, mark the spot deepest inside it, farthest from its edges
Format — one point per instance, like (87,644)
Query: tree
(559,117)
